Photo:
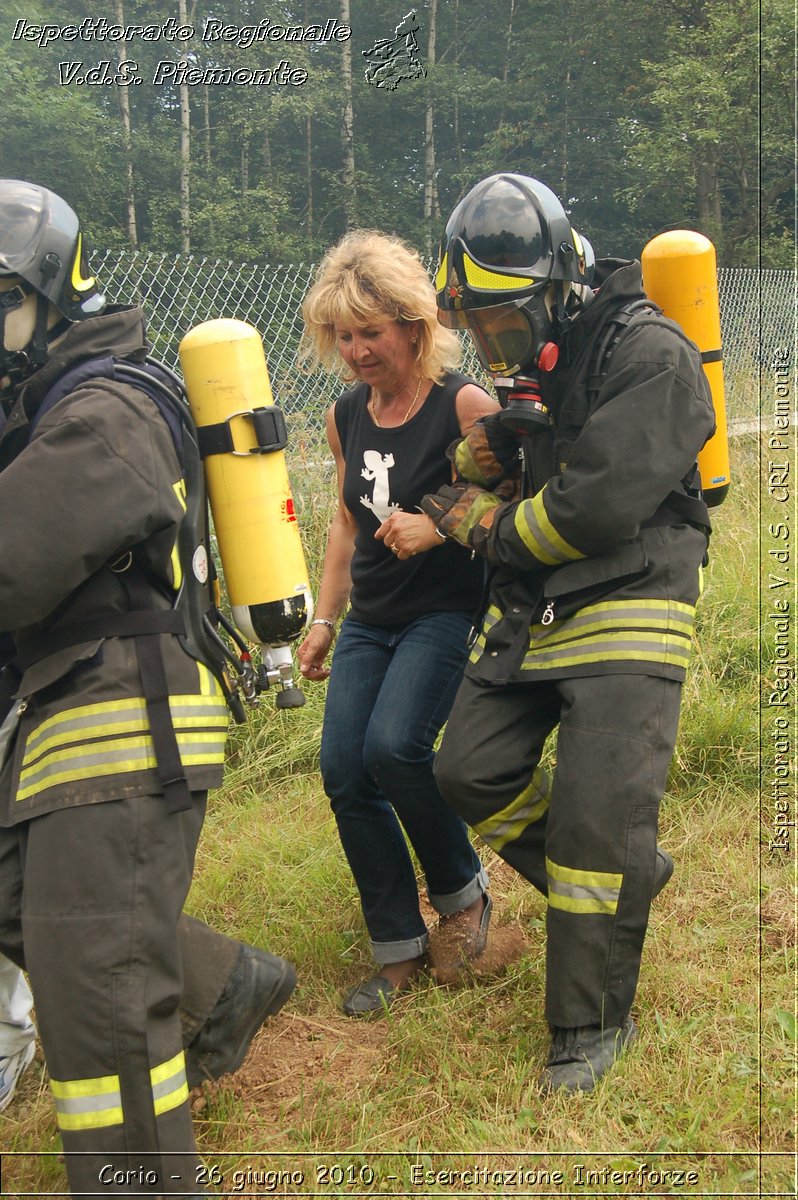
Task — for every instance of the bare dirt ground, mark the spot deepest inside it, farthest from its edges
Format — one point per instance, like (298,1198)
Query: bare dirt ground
(294,1053)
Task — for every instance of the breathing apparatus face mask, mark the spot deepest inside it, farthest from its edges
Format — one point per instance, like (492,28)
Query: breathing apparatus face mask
(508,338)
(21,311)
(515,343)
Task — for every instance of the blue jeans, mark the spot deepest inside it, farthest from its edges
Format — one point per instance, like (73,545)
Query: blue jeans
(390,692)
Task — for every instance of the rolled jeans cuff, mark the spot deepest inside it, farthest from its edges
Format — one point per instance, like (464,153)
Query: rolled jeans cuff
(393,952)
(457,901)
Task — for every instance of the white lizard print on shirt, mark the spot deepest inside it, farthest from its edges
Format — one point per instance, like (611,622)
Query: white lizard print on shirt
(376,469)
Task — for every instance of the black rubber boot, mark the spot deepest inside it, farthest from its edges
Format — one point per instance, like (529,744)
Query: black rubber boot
(258,988)
(579,1057)
(662,871)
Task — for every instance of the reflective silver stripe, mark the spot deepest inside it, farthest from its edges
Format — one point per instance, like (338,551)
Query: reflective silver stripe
(116,757)
(111,717)
(169,1086)
(624,645)
(491,618)
(88,1103)
(596,899)
(669,617)
(578,891)
(658,631)
(527,808)
(536,531)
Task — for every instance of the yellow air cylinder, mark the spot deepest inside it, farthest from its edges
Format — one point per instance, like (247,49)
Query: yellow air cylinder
(242,435)
(679,274)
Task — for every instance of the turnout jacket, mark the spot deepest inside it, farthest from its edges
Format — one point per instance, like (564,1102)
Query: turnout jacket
(91,495)
(599,569)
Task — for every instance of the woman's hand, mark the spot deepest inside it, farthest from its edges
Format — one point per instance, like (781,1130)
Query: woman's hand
(313,651)
(407,534)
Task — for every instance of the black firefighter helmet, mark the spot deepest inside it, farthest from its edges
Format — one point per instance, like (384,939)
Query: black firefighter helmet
(505,244)
(41,253)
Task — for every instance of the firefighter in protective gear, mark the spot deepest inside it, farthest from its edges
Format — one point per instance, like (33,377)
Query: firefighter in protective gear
(596,542)
(95,862)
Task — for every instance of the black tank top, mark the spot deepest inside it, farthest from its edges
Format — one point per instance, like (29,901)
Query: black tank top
(386,469)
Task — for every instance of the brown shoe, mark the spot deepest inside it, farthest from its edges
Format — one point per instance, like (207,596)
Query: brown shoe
(461,943)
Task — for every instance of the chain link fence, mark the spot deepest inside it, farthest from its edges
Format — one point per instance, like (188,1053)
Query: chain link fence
(177,292)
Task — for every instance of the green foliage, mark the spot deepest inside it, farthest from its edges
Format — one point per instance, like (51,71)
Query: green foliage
(696,149)
(642,115)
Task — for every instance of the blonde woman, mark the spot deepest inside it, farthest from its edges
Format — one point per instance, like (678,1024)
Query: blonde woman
(412,596)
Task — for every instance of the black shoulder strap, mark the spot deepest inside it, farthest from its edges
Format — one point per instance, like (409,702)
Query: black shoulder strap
(687,505)
(608,338)
(151,377)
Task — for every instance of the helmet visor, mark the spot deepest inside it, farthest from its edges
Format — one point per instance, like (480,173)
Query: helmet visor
(502,335)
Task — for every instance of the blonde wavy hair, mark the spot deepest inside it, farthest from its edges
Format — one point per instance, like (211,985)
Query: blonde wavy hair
(370,277)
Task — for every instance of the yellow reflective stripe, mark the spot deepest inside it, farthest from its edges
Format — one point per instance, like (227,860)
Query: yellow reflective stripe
(88,1103)
(481,277)
(665,615)
(117,757)
(582,891)
(169,1086)
(536,531)
(91,734)
(573,905)
(508,824)
(79,282)
(600,879)
(491,617)
(440,275)
(657,631)
(208,683)
(179,490)
(80,725)
(624,645)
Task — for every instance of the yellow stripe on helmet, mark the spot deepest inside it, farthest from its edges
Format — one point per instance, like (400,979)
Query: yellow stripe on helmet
(481,277)
(79,282)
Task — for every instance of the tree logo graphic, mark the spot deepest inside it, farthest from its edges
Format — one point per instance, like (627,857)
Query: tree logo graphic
(390,60)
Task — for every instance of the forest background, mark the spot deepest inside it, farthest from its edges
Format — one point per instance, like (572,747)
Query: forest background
(637,113)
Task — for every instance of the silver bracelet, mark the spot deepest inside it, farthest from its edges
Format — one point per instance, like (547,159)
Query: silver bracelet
(442,536)
(323,621)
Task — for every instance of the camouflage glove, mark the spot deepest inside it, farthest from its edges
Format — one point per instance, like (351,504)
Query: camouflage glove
(488,454)
(457,508)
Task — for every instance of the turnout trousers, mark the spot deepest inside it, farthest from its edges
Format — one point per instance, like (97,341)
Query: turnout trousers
(585,832)
(90,906)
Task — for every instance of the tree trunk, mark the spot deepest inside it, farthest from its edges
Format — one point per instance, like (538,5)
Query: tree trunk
(508,41)
(430,191)
(206,101)
(267,156)
(347,127)
(127,140)
(309,173)
(571,24)
(458,145)
(708,196)
(185,152)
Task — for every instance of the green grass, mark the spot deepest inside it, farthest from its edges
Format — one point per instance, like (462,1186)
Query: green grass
(449,1078)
